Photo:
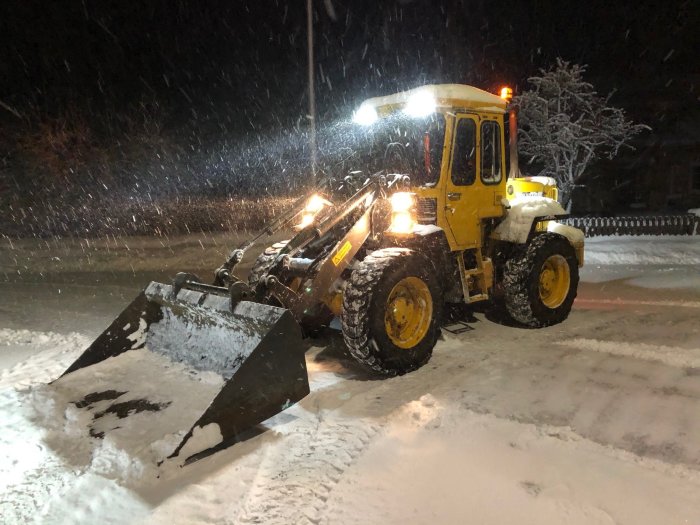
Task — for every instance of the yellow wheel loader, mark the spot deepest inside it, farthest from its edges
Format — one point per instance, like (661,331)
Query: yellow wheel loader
(433,220)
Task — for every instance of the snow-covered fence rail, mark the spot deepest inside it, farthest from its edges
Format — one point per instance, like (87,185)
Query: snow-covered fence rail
(681,224)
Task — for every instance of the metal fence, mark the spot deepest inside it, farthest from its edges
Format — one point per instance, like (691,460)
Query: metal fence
(681,224)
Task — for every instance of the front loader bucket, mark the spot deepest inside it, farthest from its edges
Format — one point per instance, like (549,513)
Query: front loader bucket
(186,373)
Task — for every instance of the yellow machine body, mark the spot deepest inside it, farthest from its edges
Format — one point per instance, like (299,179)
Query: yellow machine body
(463,210)
(460,208)
(533,186)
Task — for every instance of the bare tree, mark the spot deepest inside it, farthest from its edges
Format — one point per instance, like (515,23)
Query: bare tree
(565,125)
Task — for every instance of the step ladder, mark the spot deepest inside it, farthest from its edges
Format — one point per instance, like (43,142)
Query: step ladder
(475,281)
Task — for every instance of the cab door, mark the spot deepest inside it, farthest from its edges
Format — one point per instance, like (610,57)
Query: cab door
(463,175)
(473,190)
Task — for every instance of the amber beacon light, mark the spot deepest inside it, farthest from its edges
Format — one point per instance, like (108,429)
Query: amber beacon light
(506,94)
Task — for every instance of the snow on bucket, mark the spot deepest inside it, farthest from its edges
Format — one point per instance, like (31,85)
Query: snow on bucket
(187,366)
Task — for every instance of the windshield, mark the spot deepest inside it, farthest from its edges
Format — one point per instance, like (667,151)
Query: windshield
(401,144)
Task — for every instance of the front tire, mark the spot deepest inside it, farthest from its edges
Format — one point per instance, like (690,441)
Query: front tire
(392,306)
(540,283)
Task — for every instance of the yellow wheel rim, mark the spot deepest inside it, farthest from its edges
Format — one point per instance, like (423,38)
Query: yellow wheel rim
(409,311)
(555,281)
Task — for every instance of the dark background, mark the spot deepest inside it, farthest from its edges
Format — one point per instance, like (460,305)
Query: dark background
(144,101)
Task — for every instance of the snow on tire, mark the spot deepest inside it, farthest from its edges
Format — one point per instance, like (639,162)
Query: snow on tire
(264,262)
(365,302)
(527,296)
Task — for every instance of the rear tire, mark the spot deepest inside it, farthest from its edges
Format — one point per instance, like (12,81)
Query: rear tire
(264,262)
(540,282)
(392,306)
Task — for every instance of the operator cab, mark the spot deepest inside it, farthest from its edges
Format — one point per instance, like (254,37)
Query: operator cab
(449,139)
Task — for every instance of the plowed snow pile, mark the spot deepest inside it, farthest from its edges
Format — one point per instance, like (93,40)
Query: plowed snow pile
(137,401)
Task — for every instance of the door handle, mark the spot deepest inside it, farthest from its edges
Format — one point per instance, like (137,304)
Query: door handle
(454,196)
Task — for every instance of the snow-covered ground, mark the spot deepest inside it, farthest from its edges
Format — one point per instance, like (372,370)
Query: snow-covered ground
(646,261)
(595,420)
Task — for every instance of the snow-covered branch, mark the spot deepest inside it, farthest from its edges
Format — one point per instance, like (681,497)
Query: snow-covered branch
(565,125)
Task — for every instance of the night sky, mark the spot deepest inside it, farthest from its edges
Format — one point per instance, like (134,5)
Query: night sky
(208,72)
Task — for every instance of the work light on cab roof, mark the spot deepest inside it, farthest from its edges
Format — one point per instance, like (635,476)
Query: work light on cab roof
(420,104)
(365,115)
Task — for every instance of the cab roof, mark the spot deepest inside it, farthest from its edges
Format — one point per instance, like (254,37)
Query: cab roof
(445,96)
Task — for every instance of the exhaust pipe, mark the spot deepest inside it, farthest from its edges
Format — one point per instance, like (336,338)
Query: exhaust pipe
(513,142)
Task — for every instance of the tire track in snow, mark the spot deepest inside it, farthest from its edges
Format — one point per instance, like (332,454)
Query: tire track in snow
(300,473)
(297,476)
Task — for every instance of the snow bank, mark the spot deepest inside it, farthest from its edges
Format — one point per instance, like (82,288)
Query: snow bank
(139,405)
(518,220)
(37,462)
(647,249)
(646,261)
(121,416)
(47,478)
(28,357)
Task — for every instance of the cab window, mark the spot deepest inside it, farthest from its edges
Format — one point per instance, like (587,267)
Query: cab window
(464,156)
(397,144)
(490,152)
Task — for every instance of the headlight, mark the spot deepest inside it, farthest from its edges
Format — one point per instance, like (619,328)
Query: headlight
(306,219)
(403,212)
(402,201)
(314,205)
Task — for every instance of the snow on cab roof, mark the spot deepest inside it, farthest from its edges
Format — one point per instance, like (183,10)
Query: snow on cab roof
(445,95)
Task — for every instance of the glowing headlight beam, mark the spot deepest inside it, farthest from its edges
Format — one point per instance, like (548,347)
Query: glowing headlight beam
(306,219)
(402,222)
(313,206)
(402,212)
(402,201)
(420,104)
(316,203)
(365,115)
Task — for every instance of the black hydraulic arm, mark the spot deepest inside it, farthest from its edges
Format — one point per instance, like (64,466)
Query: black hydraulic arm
(223,273)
